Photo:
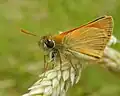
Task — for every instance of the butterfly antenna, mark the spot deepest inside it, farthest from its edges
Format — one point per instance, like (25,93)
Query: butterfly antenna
(27,32)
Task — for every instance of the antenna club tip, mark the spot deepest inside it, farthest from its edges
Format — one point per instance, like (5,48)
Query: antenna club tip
(26,32)
(22,30)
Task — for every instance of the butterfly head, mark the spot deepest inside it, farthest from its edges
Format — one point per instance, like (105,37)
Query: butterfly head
(46,42)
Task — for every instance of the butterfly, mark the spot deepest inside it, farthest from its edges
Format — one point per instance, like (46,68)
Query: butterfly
(88,40)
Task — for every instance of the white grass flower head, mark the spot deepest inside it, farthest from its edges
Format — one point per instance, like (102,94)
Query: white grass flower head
(55,82)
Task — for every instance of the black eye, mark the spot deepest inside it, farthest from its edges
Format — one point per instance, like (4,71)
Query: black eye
(50,43)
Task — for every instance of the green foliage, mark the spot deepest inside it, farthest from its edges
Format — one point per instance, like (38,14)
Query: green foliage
(21,57)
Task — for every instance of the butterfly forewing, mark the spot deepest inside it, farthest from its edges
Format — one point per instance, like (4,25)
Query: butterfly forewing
(92,38)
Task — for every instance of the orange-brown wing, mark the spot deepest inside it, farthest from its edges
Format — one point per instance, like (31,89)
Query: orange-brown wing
(90,39)
(94,23)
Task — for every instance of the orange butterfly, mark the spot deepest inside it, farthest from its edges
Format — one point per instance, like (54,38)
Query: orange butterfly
(89,39)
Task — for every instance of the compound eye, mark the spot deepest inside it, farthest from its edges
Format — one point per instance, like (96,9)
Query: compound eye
(50,43)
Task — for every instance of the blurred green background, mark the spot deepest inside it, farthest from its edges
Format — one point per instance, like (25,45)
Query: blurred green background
(20,56)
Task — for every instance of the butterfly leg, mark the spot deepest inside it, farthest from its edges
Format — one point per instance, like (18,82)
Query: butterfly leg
(45,68)
(59,55)
(73,65)
(46,63)
(60,62)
